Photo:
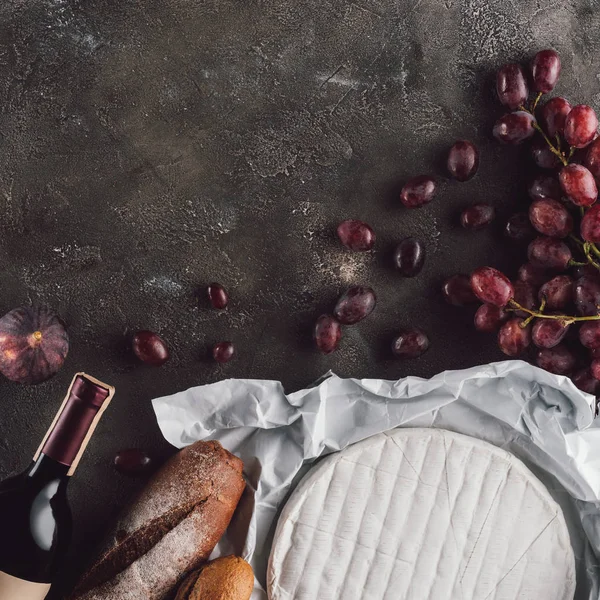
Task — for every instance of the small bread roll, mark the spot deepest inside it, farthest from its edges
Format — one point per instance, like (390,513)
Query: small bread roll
(226,578)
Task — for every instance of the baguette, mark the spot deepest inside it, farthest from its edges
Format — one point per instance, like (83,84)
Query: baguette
(170,529)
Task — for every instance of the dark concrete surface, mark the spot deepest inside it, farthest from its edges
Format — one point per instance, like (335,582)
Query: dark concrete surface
(148,147)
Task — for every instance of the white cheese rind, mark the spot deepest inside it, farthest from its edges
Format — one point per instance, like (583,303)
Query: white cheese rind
(421,513)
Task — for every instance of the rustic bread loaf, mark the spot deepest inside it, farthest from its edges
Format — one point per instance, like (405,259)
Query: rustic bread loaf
(170,529)
(226,578)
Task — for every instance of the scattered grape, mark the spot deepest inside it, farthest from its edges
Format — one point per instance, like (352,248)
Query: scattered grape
(457,290)
(410,343)
(511,86)
(559,360)
(491,286)
(542,156)
(150,348)
(586,382)
(514,128)
(581,125)
(554,114)
(356,235)
(327,333)
(590,225)
(223,352)
(545,70)
(586,295)
(418,191)
(589,334)
(489,317)
(551,218)
(409,257)
(463,160)
(549,253)
(547,333)
(355,304)
(218,296)
(477,216)
(558,292)
(533,275)
(578,184)
(518,227)
(514,339)
(544,186)
(592,158)
(132,462)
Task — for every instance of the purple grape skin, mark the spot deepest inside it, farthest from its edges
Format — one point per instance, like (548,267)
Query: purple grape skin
(553,116)
(547,333)
(542,156)
(410,343)
(578,184)
(355,304)
(586,296)
(518,227)
(477,216)
(327,334)
(514,128)
(534,275)
(590,225)
(356,235)
(514,339)
(549,253)
(595,371)
(418,191)
(511,85)
(592,158)
(457,290)
(589,335)
(551,218)
(409,257)
(544,186)
(463,160)
(217,296)
(586,382)
(581,126)
(488,318)
(558,292)
(559,360)
(525,295)
(545,70)
(491,286)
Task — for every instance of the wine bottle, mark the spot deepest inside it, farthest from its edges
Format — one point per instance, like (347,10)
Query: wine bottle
(35,518)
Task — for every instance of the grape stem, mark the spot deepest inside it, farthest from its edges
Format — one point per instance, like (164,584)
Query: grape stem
(586,251)
(594,249)
(535,102)
(561,156)
(568,319)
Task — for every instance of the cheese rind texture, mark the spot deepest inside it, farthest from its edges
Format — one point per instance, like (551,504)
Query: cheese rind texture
(421,514)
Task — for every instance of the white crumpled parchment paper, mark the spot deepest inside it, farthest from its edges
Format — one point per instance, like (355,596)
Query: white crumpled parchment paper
(542,418)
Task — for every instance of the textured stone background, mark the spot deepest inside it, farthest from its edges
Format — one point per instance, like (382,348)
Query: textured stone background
(148,147)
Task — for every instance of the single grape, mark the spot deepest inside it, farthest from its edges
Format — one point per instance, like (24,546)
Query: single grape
(590,225)
(356,235)
(559,360)
(547,333)
(457,290)
(544,186)
(150,348)
(592,158)
(514,128)
(132,462)
(558,292)
(409,257)
(491,286)
(534,275)
(217,295)
(463,160)
(578,184)
(327,333)
(525,295)
(589,334)
(518,227)
(586,296)
(410,343)
(581,125)
(488,318)
(514,339)
(223,352)
(545,70)
(585,271)
(554,114)
(549,253)
(586,382)
(418,191)
(477,216)
(511,86)
(355,304)
(595,369)
(542,156)
(551,218)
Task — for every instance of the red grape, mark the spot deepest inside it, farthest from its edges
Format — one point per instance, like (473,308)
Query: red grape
(491,286)
(409,257)
(410,343)
(514,339)
(511,86)
(586,271)
(544,186)
(223,352)
(586,382)
(488,318)
(580,126)
(595,369)
(558,292)
(150,348)
(592,158)
(356,235)
(218,296)
(542,155)
(586,295)
(132,462)
(477,216)
(327,334)
(578,184)
(547,333)
(518,227)
(549,253)
(551,218)
(418,191)
(534,275)
(545,70)
(590,225)
(463,160)
(525,295)
(554,115)
(589,334)
(514,128)
(559,360)
(355,304)
(457,290)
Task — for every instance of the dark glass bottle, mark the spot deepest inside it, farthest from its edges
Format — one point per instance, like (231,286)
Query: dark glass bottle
(35,518)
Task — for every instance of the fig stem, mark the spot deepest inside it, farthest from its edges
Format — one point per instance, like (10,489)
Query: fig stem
(568,319)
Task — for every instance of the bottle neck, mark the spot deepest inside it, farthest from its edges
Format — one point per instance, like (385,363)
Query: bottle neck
(48,469)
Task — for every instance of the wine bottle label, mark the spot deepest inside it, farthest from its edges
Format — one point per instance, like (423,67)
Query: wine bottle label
(12,588)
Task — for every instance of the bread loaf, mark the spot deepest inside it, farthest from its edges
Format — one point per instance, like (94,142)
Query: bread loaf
(227,578)
(170,529)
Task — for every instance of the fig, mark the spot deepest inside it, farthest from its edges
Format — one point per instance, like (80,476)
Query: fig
(33,344)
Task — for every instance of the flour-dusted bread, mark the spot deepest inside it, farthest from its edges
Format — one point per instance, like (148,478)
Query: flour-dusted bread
(170,529)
